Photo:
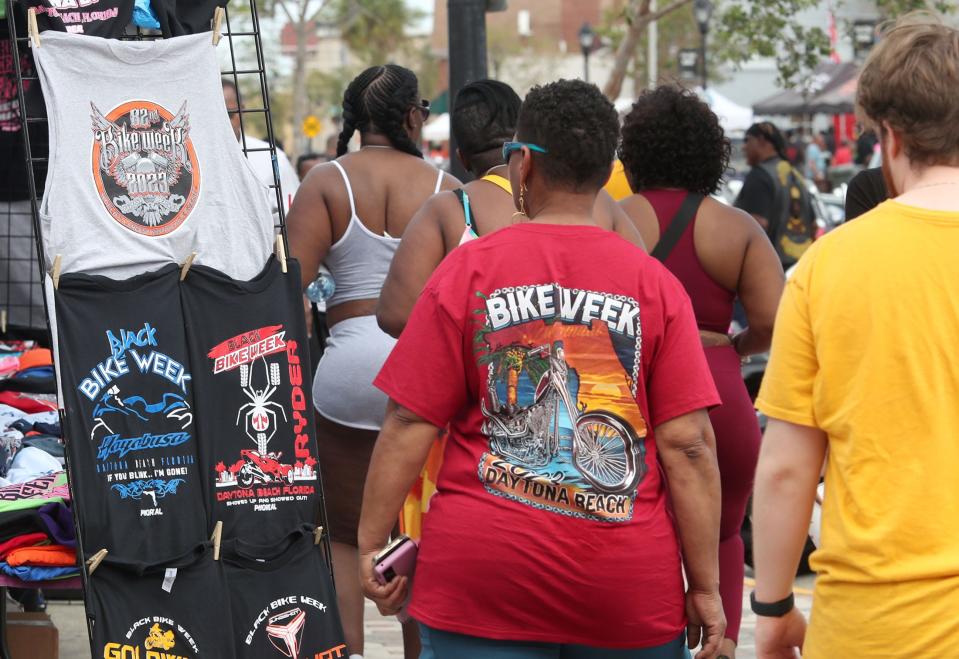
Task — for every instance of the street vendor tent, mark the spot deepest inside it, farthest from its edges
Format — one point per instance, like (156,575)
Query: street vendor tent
(831,89)
(437,130)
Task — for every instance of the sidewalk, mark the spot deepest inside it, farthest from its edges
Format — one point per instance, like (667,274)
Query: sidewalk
(383,637)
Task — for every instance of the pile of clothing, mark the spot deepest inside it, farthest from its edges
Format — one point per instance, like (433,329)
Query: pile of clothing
(37,535)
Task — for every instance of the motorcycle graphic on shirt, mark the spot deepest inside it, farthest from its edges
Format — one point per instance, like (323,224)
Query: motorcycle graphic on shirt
(566,433)
(273,461)
(162,639)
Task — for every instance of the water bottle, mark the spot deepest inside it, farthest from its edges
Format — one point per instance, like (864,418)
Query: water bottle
(321,289)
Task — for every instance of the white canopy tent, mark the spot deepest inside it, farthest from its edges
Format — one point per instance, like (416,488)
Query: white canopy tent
(437,130)
(734,118)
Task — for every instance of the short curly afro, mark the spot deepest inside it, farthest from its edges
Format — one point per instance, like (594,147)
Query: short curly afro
(671,139)
(578,126)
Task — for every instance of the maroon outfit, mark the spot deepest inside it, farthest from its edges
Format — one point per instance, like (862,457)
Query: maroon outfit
(734,422)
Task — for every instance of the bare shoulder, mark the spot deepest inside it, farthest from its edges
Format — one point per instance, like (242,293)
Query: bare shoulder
(726,224)
(637,207)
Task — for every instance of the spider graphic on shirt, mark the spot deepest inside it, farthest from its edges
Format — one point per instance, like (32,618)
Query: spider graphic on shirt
(260,414)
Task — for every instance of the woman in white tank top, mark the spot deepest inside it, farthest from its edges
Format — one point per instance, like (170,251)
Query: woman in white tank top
(349,215)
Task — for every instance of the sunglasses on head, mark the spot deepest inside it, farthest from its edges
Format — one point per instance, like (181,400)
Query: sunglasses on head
(424,107)
(510,147)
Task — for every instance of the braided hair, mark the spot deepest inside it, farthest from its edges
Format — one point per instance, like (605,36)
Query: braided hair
(377,100)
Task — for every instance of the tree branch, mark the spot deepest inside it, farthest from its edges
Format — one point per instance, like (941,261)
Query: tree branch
(627,46)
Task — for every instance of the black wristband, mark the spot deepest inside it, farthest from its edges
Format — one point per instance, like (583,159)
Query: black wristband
(773,609)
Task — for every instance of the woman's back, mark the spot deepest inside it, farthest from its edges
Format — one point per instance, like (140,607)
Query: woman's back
(712,302)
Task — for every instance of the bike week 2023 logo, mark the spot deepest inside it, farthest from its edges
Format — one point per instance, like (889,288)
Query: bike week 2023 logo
(284,622)
(140,418)
(565,431)
(144,166)
(160,641)
(262,475)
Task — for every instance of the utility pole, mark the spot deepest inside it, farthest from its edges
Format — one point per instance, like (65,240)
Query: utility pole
(467,53)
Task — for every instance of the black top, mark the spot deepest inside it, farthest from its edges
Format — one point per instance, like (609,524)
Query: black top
(758,194)
(131,428)
(251,369)
(180,17)
(180,612)
(866,190)
(282,599)
(98,18)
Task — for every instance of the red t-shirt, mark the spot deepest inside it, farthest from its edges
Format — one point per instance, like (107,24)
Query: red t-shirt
(552,351)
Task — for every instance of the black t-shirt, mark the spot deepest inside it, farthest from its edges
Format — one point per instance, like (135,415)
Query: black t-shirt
(131,426)
(866,190)
(282,600)
(251,373)
(758,194)
(13,168)
(98,18)
(179,17)
(159,614)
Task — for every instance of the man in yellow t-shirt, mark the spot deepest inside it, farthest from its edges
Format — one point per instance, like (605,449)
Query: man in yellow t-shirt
(865,362)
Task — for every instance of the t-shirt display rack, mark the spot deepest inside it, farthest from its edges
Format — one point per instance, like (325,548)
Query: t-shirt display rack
(35,122)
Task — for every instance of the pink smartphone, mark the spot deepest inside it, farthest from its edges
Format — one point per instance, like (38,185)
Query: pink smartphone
(397,559)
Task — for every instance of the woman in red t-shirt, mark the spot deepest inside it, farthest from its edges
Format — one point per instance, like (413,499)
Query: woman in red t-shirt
(675,153)
(567,364)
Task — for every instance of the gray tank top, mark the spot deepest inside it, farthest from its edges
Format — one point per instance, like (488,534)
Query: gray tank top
(360,260)
(144,166)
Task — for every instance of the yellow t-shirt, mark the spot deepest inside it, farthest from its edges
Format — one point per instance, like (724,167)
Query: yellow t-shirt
(617,186)
(866,348)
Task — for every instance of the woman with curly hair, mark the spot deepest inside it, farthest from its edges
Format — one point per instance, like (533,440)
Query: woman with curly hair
(349,214)
(675,155)
(566,363)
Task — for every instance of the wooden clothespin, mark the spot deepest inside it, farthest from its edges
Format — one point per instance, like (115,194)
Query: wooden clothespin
(216,537)
(32,28)
(55,273)
(218,15)
(185,268)
(3,321)
(94,561)
(317,535)
(281,252)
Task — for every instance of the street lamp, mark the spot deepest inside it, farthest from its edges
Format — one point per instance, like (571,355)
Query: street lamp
(703,11)
(586,39)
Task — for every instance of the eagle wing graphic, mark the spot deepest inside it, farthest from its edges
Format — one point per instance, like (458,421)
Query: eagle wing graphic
(110,152)
(182,158)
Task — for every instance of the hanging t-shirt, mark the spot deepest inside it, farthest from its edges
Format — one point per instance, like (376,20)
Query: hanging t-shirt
(131,426)
(13,168)
(179,17)
(98,18)
(251,371)
(144,166)
(170,611)
(282,600)
(553,352)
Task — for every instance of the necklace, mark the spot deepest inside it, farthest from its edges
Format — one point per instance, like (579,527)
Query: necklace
(375,146)
(489,171)
(933,185)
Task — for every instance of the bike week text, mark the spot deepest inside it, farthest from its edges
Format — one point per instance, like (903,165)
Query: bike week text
(514,482)
(291,601)
(118,364)
(114,445)
(548,301)
(246,348)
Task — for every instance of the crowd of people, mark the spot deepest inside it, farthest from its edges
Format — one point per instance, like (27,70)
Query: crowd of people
(538,380)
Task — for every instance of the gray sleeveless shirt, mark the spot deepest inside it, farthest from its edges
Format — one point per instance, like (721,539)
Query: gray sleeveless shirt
(144,166)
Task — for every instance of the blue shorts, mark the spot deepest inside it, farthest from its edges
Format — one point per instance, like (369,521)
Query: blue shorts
(438,644)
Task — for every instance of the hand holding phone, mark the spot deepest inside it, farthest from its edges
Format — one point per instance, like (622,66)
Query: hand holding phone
(397,559)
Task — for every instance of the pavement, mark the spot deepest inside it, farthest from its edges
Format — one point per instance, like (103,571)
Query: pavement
(384,639)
